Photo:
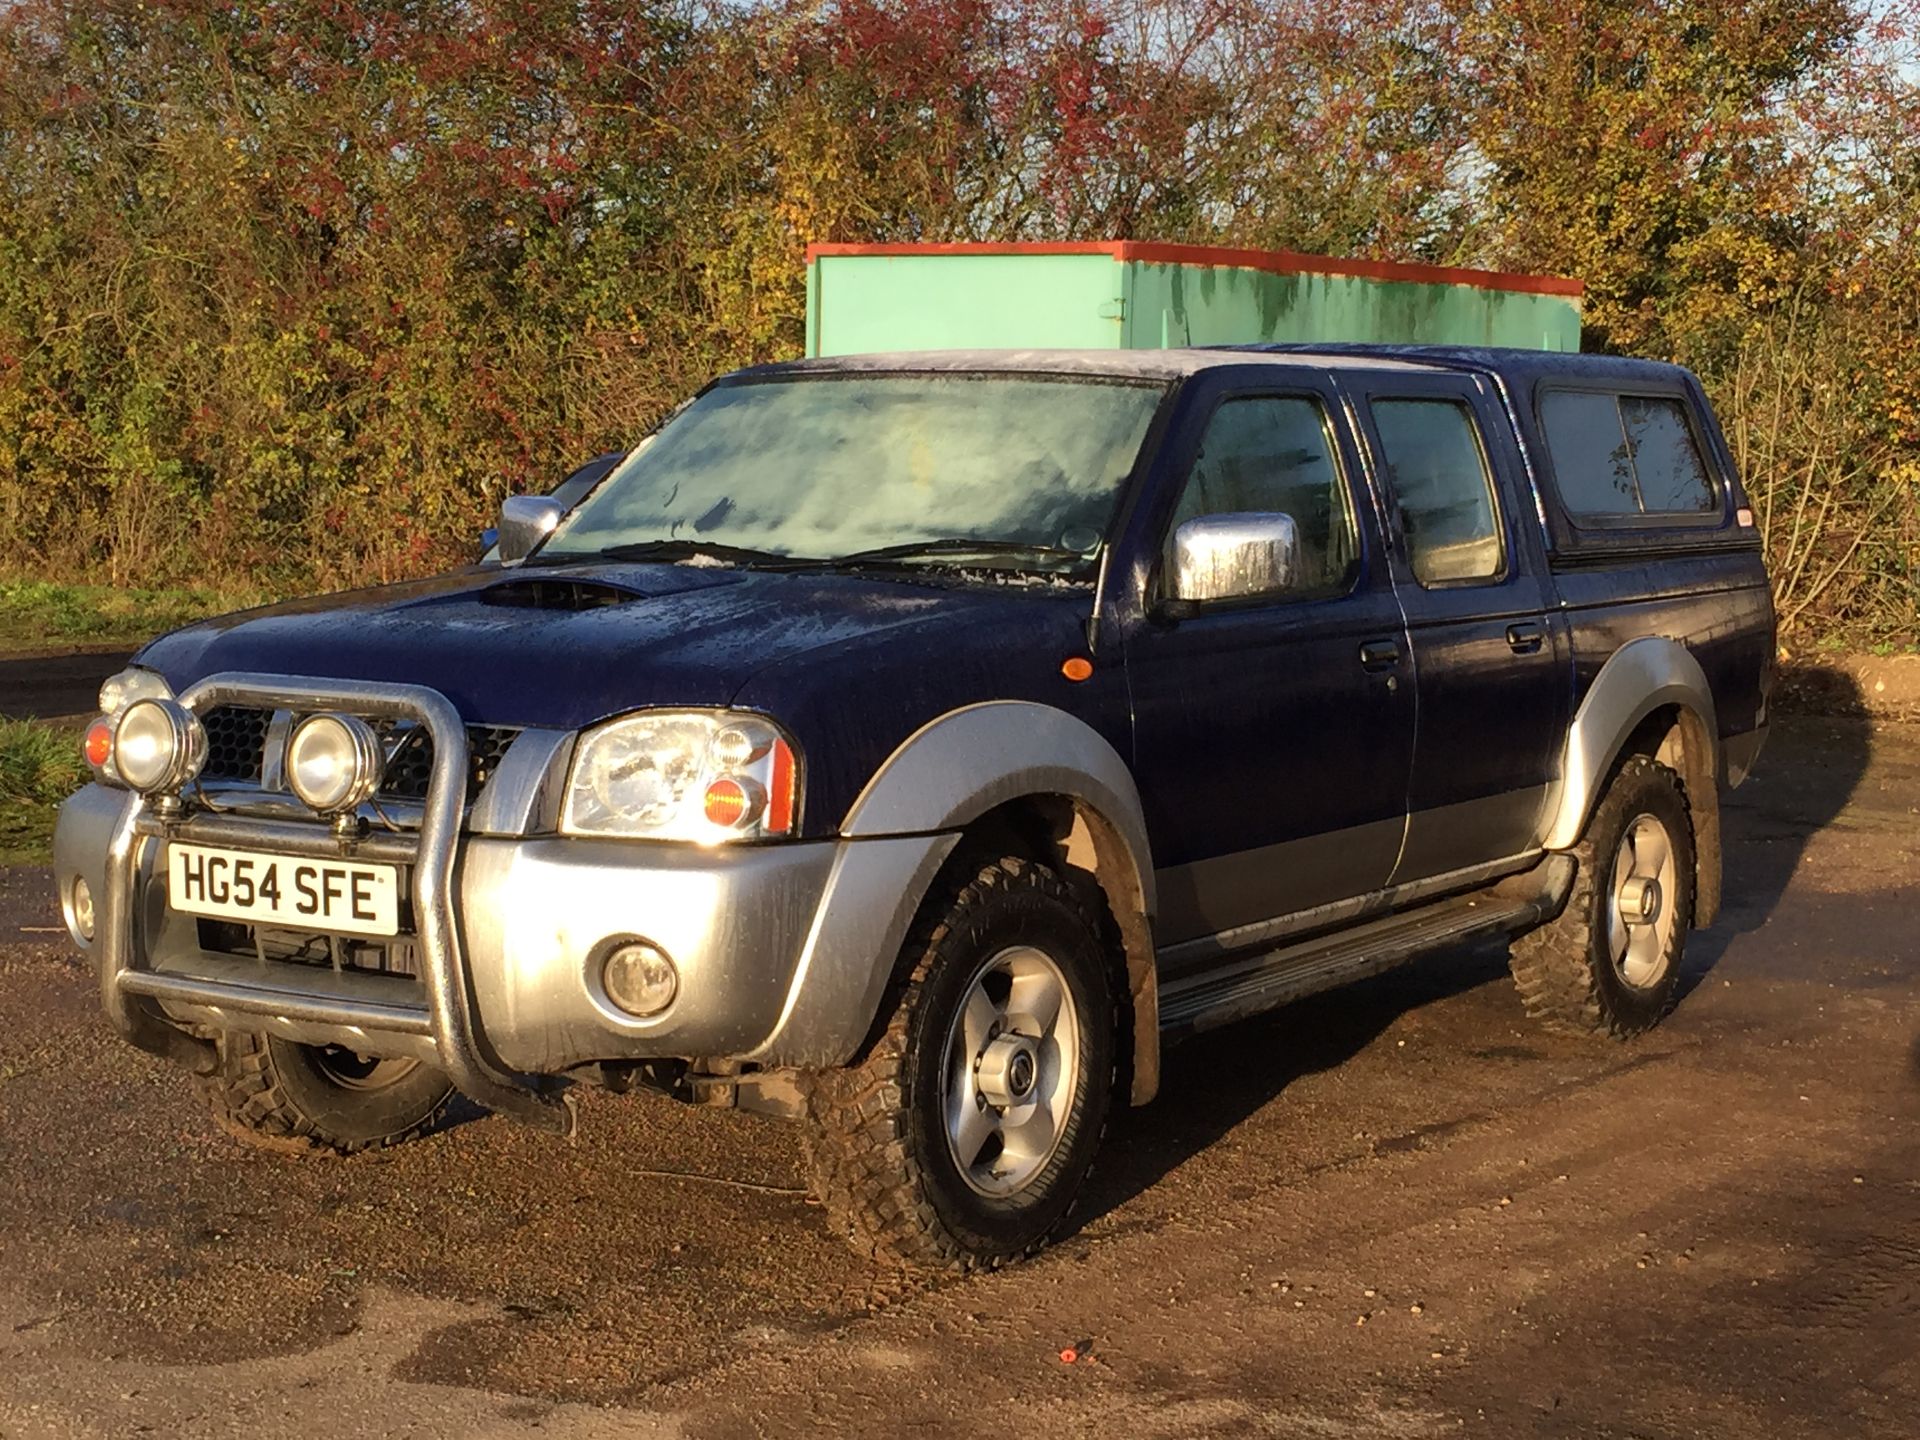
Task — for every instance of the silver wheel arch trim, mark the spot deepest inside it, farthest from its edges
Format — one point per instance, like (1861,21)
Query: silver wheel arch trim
(1643,676)
(960,766)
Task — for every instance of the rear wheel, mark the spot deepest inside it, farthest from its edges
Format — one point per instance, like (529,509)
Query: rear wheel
(1610,964)
(964,1136)
(284,1096)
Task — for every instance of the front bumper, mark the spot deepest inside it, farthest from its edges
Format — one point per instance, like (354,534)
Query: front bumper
(783,950)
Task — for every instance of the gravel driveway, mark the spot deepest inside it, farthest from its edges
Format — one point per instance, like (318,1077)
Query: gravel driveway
(1397,1210)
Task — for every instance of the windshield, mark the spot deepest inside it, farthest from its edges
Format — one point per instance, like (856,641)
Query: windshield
(828,466)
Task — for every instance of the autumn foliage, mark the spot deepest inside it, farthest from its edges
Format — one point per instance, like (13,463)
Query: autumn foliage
(293,291)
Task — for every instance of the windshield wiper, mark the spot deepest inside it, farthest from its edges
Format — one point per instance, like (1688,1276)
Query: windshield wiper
(955,548)
(690,550)
(951,550)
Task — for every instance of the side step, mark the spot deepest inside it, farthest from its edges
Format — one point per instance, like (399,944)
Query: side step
(1255,983)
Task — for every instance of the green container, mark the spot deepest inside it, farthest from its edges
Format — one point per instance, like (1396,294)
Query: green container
(1129,295)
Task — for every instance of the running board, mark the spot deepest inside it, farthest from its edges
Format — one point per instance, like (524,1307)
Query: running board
(1261,982)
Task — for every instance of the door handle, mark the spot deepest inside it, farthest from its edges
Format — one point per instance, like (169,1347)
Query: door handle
(1379,654)
(1525,639)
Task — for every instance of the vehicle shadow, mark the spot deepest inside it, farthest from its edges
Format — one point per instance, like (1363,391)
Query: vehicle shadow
(1810,770)
(1815,759)
(1212,1083)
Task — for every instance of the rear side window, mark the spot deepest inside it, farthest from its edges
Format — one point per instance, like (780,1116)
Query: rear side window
(1624,455)
(1432,456)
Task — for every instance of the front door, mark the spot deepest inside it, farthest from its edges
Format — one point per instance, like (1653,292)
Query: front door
(1490,660)
(1273,734)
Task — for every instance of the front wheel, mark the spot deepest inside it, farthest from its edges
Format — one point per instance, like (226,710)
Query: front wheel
(1610,964)
(963,1137)
(278,1095)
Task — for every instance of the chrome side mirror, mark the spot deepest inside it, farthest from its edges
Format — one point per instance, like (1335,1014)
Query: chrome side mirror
(526,520)
(1227,557)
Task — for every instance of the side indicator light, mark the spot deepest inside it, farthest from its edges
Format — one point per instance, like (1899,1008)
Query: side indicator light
(1077,668)
(780,795)
(1743,517)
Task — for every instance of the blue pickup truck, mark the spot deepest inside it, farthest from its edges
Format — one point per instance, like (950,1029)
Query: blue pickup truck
(916,744)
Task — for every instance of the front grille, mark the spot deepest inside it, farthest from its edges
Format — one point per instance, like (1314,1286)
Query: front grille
(237,745)
(236,742)
(410,763)
(398,955)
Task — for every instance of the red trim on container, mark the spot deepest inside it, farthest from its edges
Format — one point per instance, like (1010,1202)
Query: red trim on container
(1274,262)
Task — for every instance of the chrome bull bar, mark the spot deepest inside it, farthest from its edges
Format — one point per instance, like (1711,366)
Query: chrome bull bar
(431,854)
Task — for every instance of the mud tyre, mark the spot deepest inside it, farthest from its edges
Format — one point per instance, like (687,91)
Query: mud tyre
(963,1137)
(296,1099)
(1609,965)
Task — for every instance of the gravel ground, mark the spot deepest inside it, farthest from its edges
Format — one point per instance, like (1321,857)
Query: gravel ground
(1397,1210)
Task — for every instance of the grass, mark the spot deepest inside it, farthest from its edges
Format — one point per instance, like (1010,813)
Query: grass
(45,615)
(40,766)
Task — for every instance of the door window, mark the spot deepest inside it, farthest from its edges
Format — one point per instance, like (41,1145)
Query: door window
(1437,470)
(1274,454)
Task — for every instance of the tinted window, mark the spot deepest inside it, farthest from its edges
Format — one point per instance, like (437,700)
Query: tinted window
(1672,479)
(1433,460)
(1591,461)
(1273,454)
(1624,455)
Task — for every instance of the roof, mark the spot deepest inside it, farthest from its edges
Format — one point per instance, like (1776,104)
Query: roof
(1275,262)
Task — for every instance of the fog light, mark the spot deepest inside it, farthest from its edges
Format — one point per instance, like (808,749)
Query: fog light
(639,978)
(334,762)
(80,909)
(159,745)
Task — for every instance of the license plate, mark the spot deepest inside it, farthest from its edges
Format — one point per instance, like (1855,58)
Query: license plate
(335,895)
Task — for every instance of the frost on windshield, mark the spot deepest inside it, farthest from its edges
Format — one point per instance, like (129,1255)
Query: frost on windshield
(826,465)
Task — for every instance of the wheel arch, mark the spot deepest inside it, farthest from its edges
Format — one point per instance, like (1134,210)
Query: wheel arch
(1650,698)
(1042,776)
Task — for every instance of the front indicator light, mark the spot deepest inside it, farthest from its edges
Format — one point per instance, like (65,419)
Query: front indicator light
(732,803)
(640,979)
(158,746)
(98,746)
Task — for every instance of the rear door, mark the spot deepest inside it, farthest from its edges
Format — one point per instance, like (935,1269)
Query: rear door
(1273,734)
(1490,662)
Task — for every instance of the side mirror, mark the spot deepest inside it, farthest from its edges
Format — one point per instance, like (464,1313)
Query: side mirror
(1228,557)
(526,520)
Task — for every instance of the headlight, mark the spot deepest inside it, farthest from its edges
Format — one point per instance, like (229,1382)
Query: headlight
(684,775)
(130,685)
(334,762)
(116,694)
(159,745)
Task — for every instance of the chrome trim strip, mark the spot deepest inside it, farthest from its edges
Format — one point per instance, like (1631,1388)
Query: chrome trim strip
(258,802)
(308,841)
